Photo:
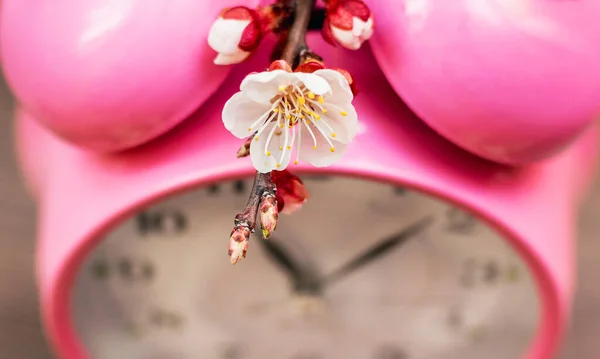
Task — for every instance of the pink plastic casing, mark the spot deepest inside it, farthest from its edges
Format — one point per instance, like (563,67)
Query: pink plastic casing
(513,81)
(81,196)
(110,74)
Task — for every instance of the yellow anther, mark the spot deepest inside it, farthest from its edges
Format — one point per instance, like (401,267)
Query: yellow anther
(310,95)
(289,147)
(249,128)
(281,125)
(316,116)
(278,165)
(332,149)
(280,148)
(314,147)
(268,153)
(343,113)
(288,116)
(324,110)
(256,138)
(295,162)
(301,101)
(333,134)
(275,110)
(281,88)
(321,99)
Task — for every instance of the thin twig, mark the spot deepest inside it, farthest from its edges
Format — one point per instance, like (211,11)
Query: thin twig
(296,45)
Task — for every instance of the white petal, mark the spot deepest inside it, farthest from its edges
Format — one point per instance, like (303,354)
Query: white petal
(240,112)
(262,86)
(258,151)
(344,127)
(322,155)
(236,58)
(316,84)
(225,34)
(346,38)
(340,88)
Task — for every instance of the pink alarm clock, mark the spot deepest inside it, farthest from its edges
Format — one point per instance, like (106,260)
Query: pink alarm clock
(409,247)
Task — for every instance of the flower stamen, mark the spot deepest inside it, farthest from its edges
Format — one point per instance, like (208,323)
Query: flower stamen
(311,134)
(298,145)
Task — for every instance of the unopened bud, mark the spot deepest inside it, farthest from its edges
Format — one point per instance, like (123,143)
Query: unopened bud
(291,193)
(235,34)
(238,242)
(280,65)
(348,23)
(310,66)
(269,214)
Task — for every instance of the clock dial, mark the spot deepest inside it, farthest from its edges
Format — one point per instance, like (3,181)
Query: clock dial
(363,270)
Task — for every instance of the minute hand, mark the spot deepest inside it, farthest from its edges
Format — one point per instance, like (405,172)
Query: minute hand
(379,249)
(303,278)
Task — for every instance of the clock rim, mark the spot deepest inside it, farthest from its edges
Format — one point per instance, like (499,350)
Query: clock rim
(57,296)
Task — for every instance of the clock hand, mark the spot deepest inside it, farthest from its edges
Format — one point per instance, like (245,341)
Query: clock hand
(380,249)
(304,279)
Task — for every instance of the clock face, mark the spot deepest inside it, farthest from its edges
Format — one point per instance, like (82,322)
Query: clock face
(364,270)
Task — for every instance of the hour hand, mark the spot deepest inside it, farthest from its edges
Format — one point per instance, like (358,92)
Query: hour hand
(380,249)
(304,279)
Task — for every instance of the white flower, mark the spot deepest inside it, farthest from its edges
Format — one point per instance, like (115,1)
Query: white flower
(307,116)
(234,35)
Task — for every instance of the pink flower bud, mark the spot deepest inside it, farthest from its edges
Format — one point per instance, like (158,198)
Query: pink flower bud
(348,23)
(310,66)
(238,242)
(235,34)
(269,214)
(291,193)
(280,65)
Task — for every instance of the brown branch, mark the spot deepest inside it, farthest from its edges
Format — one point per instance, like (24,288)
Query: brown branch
(296,46)
(294,50)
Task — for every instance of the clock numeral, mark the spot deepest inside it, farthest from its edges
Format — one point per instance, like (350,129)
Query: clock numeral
(135,270)
(317,178)
(491,272)
(214,189)
(486,272)
(513,274)
(237,187)
(100,269)
(460,222)
(391,352)
(400,191)
(165,319)
(124,269)
(161,222)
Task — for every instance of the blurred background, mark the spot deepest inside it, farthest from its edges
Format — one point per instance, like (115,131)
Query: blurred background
(21,336)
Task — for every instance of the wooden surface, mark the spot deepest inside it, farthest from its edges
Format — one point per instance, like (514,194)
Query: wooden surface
(20,332)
